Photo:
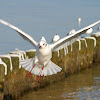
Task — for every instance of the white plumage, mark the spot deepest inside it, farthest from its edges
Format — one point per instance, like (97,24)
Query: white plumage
(89,31)
(79,21)
(41,63)
(56,38)
(71,32)
(97,34)
(49,69)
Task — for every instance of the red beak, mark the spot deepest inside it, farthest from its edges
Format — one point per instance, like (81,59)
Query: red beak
(39,46)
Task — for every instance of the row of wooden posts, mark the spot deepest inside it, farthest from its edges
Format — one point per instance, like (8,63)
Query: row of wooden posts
(13,80)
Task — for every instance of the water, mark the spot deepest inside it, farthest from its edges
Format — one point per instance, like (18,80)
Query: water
(43,18)
(80,86)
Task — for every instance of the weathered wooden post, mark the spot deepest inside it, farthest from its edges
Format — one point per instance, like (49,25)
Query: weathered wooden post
(91,42)
(97,48)
(82,56)
(2,78)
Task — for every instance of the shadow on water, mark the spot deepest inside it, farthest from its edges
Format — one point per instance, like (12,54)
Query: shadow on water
(79,86)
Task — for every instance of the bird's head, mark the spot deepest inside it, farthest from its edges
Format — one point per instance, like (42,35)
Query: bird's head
(42,43)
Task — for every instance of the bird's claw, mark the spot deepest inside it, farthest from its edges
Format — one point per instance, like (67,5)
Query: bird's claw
(29,74)
(38,78)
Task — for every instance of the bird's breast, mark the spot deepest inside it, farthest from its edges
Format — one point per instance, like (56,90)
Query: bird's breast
(44,54)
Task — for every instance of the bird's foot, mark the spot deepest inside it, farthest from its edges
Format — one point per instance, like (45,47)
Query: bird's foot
(38,78)
(29,74)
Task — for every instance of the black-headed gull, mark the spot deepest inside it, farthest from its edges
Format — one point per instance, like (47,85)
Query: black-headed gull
(79,21)
(89,31)
(98,28)
(71,32)
(41,64)
(56,38)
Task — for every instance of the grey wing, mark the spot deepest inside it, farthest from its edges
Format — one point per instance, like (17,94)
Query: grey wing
(23,34)
(60,43)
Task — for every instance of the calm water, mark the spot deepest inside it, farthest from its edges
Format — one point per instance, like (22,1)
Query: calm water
(82,86)
(43,18)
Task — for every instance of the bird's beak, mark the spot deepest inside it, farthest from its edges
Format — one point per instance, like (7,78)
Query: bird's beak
(39,46)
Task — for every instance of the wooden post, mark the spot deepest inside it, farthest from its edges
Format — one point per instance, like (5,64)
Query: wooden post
(97,50)
(2,77)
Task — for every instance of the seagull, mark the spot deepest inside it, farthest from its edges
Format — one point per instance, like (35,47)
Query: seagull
(89,31)
(71,32)
(41,64)
(56,38)
(98,28)
(79,21)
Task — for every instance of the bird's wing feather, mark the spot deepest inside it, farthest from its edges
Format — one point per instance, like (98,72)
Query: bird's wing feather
(23,34)
(62,41)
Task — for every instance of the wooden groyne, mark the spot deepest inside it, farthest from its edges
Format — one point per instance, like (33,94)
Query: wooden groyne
(75,58)
(96,58)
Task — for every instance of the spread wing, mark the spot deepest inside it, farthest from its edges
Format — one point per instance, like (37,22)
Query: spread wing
(23,34)
(60,43)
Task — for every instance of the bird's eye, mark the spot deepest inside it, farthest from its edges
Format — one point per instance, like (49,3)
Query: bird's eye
(43,44)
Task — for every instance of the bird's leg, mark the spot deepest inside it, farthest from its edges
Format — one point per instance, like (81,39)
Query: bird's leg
(29,74)
(38,78)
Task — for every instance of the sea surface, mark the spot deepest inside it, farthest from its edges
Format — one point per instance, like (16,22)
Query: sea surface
(84,85)
(44,18)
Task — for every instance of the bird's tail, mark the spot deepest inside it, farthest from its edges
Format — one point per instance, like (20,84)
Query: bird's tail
(27,64)
(49,69)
